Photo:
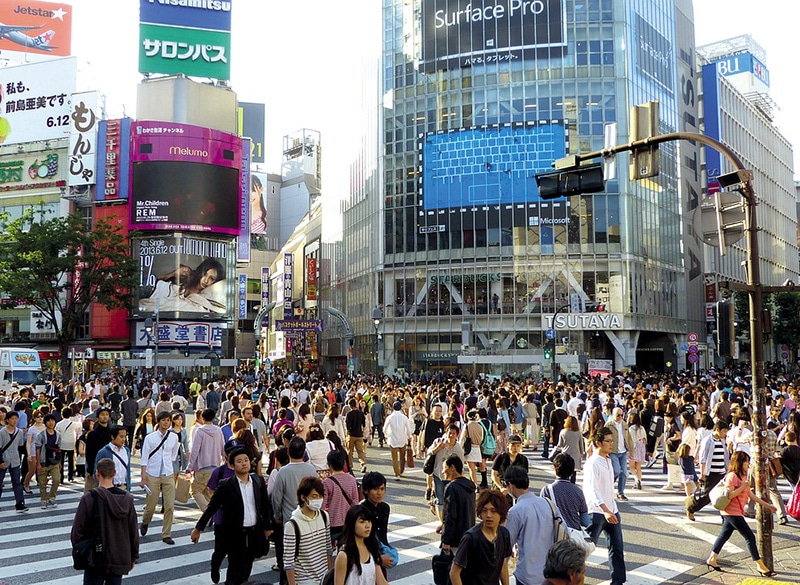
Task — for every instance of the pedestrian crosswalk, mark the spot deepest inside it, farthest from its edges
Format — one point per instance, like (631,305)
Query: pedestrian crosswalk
(35,547)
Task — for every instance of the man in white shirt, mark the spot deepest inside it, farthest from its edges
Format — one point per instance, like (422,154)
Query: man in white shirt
(398,429)
(159,450)
(598,489)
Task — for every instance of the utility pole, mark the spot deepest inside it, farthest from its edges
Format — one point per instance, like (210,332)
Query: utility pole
(566,181)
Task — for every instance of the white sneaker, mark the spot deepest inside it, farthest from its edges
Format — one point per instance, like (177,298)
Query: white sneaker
(52,503)
(44,504)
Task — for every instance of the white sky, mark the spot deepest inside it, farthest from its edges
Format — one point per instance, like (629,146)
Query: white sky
(303,59)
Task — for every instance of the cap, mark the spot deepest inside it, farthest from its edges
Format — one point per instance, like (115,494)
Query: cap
(103,409)
(514,439)
(397,405)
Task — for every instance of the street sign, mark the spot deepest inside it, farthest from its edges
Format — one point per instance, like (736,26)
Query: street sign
(550,334)
(693,358)
(693,337)
(267,361)
(693,349)
(784,355)
(684,347)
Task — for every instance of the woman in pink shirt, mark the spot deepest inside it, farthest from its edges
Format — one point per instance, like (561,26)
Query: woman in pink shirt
(733,518)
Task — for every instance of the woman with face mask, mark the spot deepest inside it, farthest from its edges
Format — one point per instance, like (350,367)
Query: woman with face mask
(306,537)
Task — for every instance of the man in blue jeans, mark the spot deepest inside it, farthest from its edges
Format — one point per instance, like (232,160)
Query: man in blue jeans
(623,445)
(598,489)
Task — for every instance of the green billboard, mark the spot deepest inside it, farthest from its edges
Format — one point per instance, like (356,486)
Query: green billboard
(194,52)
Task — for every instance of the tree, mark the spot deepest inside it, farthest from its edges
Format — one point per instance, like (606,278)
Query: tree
(59,267)
(787,319)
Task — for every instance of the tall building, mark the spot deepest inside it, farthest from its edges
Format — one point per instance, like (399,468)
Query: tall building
(476,271)
(738,110)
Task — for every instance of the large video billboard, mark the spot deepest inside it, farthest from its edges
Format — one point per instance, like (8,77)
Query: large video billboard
(463,33)
(185,178)
(491,165)
(35,100)
(35,31)
(185,276)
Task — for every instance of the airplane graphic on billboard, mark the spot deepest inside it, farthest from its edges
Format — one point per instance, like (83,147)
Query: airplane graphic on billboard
(15,35)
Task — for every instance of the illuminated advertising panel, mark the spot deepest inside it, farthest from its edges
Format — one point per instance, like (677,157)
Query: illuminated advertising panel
(252,123)
(488,165)
(462,33)
(288,269)
(712,126)
(206,14)
(655,59)
(173,50)
(35,31)
(185,277)
(35,100)
(181,333)
(185,36)
(114,144)
(185,178)
(243,241)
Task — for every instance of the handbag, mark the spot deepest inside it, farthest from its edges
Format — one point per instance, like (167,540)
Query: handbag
(776,467)
(87,553)
(428,464)
(388,549)
(793,506)
(467,445)
(440,564)
(720,496)
(409,457)
(671,457)
(182,490)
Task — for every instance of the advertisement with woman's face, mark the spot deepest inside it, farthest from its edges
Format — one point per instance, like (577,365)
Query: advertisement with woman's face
(184,275)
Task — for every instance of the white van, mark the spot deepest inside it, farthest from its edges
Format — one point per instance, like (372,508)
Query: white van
(21,365)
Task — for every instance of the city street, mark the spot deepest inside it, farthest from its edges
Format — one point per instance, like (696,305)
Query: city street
(661,545)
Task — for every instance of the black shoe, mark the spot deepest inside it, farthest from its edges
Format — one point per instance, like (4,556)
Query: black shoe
(143,529)
(167,540)
(214,575)
(427,495)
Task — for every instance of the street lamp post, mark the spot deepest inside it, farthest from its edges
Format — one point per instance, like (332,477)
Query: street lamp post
(377,317)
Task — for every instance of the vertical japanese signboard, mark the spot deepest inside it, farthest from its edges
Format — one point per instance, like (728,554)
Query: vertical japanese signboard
(288,267)
(243,242)
(83,139)
(242,296)
(113,138)
(264,294)
(311,279)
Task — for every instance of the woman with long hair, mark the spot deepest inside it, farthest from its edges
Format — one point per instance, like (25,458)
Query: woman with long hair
(639,440)
(147,424)
(571,442)
(304,420)
(247,441)
(359,556)
(333,422)
(182,460)
(733,519)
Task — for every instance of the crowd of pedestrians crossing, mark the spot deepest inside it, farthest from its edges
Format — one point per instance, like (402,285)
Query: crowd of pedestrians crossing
(277,463)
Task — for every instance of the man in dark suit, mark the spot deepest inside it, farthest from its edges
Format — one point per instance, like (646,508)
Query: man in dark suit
(246,519)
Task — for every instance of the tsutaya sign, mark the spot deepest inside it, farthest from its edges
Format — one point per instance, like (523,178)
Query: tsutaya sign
(599,321)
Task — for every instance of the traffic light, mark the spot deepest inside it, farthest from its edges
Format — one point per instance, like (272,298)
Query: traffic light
(725,328)
(571,181)
(186,351)
(548,353)
(643,125)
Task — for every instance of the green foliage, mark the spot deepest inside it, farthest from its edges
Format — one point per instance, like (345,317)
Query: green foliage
(59,267)
(786,322)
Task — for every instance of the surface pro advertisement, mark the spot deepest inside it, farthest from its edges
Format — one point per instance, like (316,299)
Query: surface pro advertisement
(463,33)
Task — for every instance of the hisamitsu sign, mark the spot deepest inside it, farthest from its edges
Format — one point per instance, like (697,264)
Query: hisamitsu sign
(299,325)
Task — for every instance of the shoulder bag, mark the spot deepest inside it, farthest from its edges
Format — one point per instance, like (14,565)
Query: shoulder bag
(88,552)
(793,505)
(562,531)
(720,496)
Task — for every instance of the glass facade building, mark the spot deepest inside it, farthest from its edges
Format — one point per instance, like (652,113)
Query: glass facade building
(480,96)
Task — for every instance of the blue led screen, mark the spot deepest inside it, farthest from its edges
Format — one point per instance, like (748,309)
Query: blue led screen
(492,165)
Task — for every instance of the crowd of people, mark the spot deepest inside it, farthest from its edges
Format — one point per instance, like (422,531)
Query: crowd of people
(276,463)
